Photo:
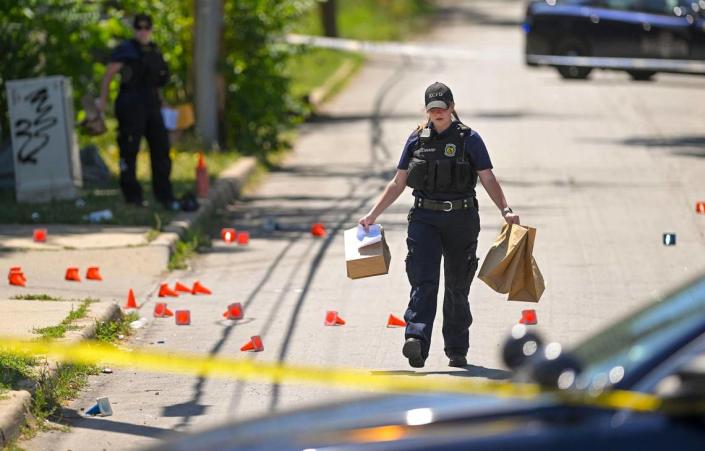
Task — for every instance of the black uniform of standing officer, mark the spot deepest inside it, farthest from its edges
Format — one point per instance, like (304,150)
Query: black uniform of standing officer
(441,161)
(138,109)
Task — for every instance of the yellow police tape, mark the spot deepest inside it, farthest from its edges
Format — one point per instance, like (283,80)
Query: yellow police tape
(245,369)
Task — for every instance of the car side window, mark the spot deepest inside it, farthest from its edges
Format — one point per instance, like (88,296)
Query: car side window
(624,5)
(666,7)
(657,6)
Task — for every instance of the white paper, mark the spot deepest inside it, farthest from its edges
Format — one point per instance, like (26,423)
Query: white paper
(170,117)
(372,236)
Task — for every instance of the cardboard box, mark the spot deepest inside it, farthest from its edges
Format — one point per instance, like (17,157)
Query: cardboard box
(367,261)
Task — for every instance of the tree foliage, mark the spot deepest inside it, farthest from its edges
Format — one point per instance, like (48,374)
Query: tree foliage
(258,103)
(74,37)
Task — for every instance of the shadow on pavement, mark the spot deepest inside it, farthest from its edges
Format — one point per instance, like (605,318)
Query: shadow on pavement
(397,373)
(477,371)
(468,371)
(74,419)
(682,80)
(688,146)
(482,114)
(320,171)
(296,221)
(348,118)
(186,409)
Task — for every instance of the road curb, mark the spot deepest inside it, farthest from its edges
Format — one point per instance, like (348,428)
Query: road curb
(320,94)
(226,189)
(14,410)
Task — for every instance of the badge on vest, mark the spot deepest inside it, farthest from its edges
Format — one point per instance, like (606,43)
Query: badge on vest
(449,151)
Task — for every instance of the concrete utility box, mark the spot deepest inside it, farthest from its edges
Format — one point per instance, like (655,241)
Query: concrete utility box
(45,152)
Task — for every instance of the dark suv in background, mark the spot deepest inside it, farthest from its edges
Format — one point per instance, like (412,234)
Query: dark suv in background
(641,37)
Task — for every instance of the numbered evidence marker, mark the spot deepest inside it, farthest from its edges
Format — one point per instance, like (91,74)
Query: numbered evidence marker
(669,239)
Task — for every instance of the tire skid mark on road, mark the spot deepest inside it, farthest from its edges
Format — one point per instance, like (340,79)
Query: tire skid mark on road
(198,386)
(379,155)
(285,289)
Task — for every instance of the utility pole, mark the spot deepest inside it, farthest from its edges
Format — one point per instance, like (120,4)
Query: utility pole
(205,58)
(329,19)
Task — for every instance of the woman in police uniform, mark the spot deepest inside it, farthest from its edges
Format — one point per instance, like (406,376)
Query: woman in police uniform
(441,162)
(143,72)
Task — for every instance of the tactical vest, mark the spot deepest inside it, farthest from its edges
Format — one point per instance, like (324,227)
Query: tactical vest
(149,70)
(439,163)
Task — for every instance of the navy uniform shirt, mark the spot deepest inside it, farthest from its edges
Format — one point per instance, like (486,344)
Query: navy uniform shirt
(125,52)
(474,149)
(130,53)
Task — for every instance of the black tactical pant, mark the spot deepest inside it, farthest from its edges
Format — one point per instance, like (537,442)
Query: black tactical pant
(453,235)
(139,115)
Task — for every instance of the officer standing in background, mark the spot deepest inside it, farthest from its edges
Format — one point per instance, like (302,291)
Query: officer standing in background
(441,161)
(138,110)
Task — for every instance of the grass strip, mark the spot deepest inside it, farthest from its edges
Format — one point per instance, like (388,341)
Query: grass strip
(187,246)
(372,20)
(35,297)
(108,197)
(112,331)
(369,20)
(51,391)
(60,329)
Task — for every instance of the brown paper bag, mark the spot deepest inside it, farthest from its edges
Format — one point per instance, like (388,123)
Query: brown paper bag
(528,284)
(502,260)
(510,266)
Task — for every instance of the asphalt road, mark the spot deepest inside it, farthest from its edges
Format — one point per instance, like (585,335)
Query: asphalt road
(601,168)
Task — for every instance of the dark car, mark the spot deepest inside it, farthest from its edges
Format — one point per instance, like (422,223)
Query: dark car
(641,37)
(657,353)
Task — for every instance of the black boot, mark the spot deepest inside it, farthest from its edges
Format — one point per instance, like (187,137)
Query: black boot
(412,351)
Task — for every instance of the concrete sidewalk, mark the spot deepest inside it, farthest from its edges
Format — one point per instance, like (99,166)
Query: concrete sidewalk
(20,319)
(127,260)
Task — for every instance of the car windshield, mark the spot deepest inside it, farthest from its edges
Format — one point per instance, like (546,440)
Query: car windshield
(610,355)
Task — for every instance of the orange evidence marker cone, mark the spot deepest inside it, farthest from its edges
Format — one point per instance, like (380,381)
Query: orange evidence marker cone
(131,303)
(161,311)
(199,289)
(234,311)
(318,230)
(181,287)
(228,235)
(700,208)
(72,274)
(332,319)
(254,345)
(17,279)
(93,273)
(202,182)
(243,238)
(164,291)
(39,235)
(393,321)
(528,317)
(183,317)
(20,275)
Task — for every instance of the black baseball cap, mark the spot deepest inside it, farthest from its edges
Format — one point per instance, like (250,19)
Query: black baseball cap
(438,95)
(142,20)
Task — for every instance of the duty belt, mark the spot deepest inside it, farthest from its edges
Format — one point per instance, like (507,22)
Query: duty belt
(445,205)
